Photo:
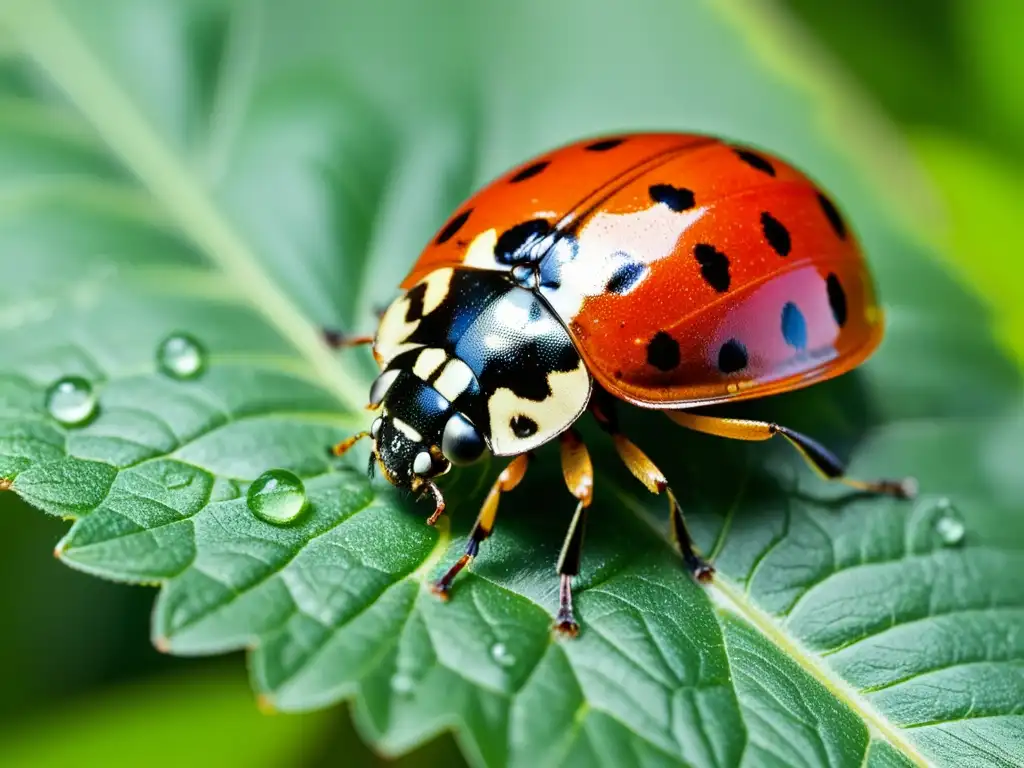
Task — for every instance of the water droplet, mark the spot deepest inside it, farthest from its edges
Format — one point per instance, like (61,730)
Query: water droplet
(180,356)
(277,496)
(501,655)
(71,401)
(402,684)
(948,525)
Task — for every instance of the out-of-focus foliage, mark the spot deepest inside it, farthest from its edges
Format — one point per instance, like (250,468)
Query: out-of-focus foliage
(950,71)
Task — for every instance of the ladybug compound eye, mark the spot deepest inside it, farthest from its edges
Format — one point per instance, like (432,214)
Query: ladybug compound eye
(461,443)
(375,428)
(381,386)
(422,463)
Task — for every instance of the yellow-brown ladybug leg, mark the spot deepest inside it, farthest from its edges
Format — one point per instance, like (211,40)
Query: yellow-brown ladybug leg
(343,447)
(647,472)
(818,456)
(337,340)
(507,480)
(579,477)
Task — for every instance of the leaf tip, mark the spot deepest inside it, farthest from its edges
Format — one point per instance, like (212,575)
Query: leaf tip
(265,704)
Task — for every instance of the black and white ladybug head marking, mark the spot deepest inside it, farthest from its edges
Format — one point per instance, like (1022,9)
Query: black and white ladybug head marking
(419,434)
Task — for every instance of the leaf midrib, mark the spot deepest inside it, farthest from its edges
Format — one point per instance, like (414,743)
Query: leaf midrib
(46,37)
(727,596)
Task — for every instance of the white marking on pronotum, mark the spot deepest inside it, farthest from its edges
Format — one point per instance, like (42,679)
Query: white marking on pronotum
(480,253)
(428,361)
(381,385)
(394,329)
(407,430)
(454,379)
(438,283)
(570,391)
(605,236)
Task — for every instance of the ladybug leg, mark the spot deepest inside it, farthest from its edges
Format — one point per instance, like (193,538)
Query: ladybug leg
(507,480)
(335,339)
(647,472)
(579,477)
(343,447)
(817,455)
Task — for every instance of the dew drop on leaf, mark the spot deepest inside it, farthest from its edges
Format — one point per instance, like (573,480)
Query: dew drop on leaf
(501,654)
(181,356)
(402,684)
(277,496)
(71,401)
(948,525)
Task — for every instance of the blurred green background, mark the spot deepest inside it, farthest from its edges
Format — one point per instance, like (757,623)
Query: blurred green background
(80,676)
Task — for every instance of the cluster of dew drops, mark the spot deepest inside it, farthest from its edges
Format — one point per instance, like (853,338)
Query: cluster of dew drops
(277,496)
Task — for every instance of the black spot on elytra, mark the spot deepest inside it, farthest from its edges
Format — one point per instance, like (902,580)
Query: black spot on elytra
(626,277)
(755,160)
(794,326)
(663,352)
(452,227)
(714,266)
(604,145)
(776,234)
(732,357)
(836,299)
(529,172)
(415,296)
(833,216)
(677,198)
(522,426)
(513,245)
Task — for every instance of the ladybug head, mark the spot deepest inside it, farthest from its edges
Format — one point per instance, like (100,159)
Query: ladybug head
(419,435)
(405,455)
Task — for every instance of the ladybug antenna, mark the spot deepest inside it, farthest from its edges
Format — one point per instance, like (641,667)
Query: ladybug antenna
(438,501)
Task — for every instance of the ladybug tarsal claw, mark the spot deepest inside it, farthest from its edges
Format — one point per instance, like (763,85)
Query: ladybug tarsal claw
(904,489)
(438,502)
(441,591)
(566,625)
(704,573)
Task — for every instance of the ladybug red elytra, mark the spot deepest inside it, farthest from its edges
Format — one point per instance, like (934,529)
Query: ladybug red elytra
(666,270)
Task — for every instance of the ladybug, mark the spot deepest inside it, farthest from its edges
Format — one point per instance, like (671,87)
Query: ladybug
(665,270)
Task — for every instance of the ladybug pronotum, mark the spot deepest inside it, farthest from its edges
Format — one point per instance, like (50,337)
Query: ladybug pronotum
(669,271)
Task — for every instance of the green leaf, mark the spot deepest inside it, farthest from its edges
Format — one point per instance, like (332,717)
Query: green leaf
(247,171)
